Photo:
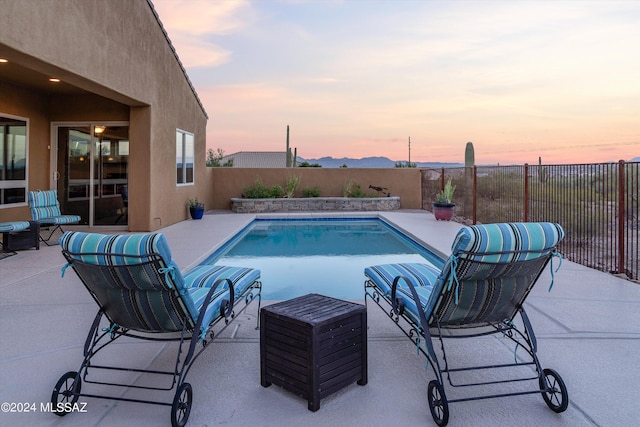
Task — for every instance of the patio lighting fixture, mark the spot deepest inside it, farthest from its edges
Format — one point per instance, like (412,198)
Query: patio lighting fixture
(98,129)
(54,80)
(2,60)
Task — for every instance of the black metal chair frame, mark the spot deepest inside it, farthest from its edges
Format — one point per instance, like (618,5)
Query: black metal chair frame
(68,389)
(550,384)
(47,232)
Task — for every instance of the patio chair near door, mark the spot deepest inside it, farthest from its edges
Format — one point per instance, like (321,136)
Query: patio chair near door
(478,292)
(45,209)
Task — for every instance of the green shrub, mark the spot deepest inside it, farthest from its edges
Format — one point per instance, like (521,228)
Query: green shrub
(311,192)
(351,188)
(276,191)
(292,184)
(257,191)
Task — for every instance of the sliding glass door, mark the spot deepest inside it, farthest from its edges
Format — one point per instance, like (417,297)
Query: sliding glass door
(92,162)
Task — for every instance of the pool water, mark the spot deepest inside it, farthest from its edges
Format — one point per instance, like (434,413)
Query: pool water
(324,256)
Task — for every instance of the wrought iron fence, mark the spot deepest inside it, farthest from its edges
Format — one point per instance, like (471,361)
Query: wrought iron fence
(597,204)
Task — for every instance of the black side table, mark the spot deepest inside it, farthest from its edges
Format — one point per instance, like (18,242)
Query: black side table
(313,345)
(25,239)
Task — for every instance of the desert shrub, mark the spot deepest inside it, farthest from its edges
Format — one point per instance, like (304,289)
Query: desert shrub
(276,191)
(311,192)
(351,188)
(257,191)
(292,184)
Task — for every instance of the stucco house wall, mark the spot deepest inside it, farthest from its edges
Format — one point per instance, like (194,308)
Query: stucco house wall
(118,53)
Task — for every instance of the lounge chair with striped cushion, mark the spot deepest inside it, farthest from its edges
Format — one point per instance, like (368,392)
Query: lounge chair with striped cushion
(45,209)
(141,293)
(479,291)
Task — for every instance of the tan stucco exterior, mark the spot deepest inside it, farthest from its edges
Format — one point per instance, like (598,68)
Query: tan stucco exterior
(122,68)
(226,183)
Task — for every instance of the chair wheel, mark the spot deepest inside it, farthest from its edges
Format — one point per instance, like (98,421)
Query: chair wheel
(64,393)
(438,403)
(554,392)
(181,407)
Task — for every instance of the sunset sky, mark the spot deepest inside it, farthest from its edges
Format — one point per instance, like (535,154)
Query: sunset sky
(521,79)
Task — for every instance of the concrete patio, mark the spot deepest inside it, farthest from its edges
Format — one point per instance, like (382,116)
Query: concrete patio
(588,330)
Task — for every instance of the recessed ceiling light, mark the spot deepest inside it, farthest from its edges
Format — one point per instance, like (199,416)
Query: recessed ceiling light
(54,80)
(2,60)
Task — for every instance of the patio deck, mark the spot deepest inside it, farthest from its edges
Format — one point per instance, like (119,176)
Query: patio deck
(588,329)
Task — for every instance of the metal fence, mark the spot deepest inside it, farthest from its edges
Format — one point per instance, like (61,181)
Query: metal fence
(597,204)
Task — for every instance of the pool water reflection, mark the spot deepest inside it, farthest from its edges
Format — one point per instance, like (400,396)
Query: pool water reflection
(324,256)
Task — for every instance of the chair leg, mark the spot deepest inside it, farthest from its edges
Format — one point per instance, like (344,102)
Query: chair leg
(4,250)
(47,233)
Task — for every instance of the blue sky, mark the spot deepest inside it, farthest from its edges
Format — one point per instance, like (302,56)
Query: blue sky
(521,79)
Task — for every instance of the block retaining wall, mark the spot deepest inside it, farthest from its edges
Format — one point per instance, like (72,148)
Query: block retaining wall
(314,204)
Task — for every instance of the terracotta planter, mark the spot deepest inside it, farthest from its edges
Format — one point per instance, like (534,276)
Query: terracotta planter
(443,211)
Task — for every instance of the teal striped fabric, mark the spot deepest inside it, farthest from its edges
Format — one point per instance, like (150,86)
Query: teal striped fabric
(6,227)
(45,209)
(483,240)
(204,276)
(145,297)
(490,272)
(422,276)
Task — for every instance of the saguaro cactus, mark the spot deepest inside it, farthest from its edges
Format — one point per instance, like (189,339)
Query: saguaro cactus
(469,163)
(469,155)
(288,149)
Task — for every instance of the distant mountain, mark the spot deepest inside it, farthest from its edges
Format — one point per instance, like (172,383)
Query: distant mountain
(371,162)
(635,159)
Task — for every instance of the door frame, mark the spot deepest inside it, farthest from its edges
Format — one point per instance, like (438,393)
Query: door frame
(54,176)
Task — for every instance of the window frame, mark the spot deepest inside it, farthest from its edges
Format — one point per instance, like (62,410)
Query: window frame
(22,183)
(182,157)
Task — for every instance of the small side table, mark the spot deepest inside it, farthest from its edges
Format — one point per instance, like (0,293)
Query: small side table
(313,346)
(24,239)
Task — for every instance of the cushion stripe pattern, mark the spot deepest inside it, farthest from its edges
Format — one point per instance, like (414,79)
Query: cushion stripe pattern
(489,274)
(207,275)
(423,275)
(45,208)
(135,280)
(200,279)
(7,227)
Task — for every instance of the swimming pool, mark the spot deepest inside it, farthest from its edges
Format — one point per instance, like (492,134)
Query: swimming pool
(318,255)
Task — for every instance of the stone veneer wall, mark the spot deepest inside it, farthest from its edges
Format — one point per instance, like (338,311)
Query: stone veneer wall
(312,204)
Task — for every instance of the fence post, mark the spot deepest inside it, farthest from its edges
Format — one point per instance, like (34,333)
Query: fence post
(526,192)
(621,216)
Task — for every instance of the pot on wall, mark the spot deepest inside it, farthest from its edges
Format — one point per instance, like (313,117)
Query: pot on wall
(443,211)
(196,211)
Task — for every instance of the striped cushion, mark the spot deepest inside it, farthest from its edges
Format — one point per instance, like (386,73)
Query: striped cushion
(515,236)
(45,208)
(6,227)
(422,275)
(112,245)
(142,299)
(199,280)
(206,276)
(490,287)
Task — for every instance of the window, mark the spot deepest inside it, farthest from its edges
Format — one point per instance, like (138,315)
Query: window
(13,161)
(184,157)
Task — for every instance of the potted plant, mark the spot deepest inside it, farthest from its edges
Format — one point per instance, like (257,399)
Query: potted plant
(196,208)
(443,206)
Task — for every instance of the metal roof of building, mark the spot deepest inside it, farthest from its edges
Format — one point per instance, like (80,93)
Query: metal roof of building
(257,159)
